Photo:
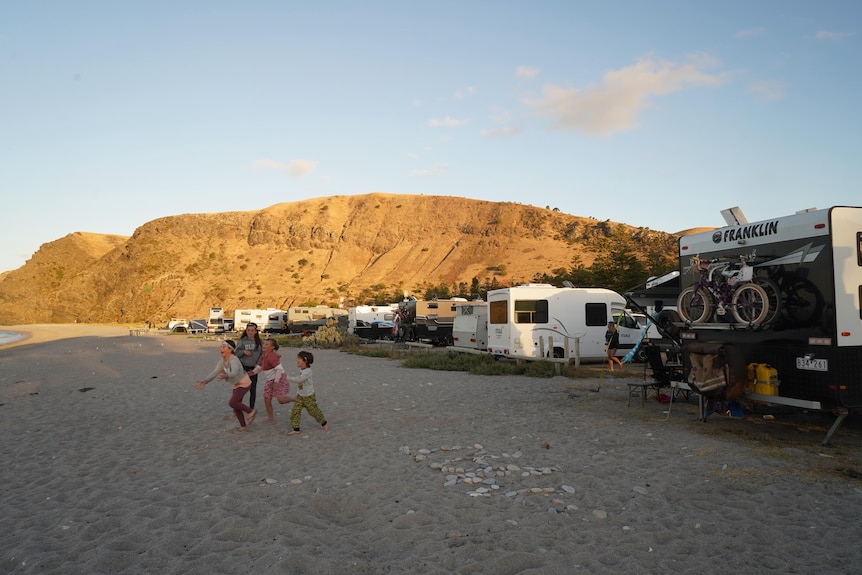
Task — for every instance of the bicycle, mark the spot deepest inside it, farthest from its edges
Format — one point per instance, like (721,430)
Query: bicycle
(723,285)
(800,302)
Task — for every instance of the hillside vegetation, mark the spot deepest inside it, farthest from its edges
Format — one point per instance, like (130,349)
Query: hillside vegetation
(340,250)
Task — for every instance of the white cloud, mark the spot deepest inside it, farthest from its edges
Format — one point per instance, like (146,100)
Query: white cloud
(614,104)
(750,33)
(296,168)
(446,122)
(462,93)
(501,132)
(526,72)
(299,168)
(500,116)
(437,170)
(768,90)
(267,163)
(830,36)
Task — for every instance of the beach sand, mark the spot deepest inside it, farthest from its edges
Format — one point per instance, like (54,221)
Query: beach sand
(114,463)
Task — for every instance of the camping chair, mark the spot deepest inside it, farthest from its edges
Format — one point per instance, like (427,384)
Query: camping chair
(662,373)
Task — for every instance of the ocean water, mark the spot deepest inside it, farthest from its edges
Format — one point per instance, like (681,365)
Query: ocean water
(10,336)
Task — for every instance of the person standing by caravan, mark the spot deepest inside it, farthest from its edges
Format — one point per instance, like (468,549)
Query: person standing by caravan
(230,369)
(248,350)
(305,397)
(612,343)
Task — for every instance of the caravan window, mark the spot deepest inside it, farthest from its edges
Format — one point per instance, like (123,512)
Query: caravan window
(498,312)
(596,314)
(531,311)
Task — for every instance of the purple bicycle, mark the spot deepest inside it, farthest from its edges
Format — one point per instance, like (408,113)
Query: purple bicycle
(723,285)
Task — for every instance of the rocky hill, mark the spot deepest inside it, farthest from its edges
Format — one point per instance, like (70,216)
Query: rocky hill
(331,250)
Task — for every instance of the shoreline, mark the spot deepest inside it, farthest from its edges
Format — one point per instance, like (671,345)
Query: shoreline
(45,332)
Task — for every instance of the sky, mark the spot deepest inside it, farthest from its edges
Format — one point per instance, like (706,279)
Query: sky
(657,114)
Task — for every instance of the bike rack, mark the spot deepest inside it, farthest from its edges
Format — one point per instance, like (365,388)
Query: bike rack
(724,326)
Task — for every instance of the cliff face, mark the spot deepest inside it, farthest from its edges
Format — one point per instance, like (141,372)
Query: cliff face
(326,250)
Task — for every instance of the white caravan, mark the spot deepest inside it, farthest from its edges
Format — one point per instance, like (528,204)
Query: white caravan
(470,327)
(540,320)
(317,314)
(270,320)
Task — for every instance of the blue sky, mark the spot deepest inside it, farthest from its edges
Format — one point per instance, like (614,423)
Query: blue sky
(656,114)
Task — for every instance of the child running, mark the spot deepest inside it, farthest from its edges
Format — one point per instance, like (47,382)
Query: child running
(230,368)
(275,379)
(305,397)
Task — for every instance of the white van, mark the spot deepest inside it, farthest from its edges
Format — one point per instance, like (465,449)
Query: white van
(540,320)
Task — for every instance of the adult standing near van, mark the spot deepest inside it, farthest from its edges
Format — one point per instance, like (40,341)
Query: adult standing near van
(612,342)
(249,347)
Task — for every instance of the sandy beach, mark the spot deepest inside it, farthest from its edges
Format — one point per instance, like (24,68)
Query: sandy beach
(114,463)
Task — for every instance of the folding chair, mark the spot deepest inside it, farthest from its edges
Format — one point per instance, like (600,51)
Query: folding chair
(662,373)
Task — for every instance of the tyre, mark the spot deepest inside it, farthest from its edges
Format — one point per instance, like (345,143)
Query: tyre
(802,302)
(666,319)
(750,304)
(773,295)
(694,304)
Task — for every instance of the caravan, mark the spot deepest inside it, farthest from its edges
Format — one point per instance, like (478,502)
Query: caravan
(470,326)
(428,321)
(307,319)
(372,321)
(269,320)
(811,265)
(540,320)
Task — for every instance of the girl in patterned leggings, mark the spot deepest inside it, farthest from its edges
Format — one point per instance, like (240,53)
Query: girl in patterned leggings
(305,397)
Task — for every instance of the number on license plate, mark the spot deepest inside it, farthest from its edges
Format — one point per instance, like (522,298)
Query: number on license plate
(812,364)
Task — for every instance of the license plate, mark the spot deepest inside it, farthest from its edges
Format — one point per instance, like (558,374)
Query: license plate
(812,364)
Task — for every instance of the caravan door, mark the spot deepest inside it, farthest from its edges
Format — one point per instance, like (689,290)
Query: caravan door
(499,327)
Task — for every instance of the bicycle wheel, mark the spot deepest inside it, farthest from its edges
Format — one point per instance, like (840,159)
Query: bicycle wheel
(750,304)
(773,294)
(803,302)
(694,304)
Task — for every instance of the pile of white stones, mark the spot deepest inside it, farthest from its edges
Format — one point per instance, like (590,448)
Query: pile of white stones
(485,473)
